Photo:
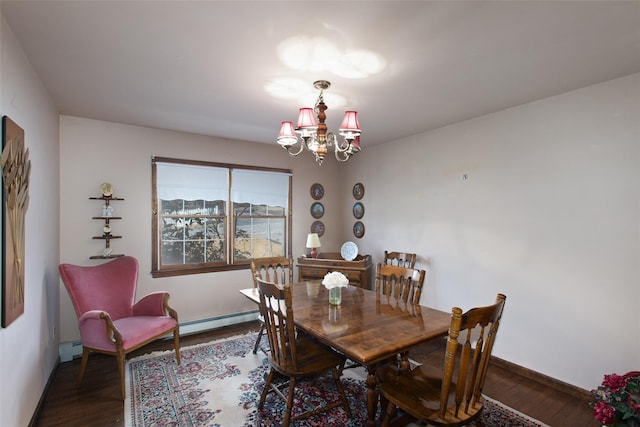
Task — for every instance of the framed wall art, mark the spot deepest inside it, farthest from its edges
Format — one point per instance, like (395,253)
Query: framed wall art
(317,210)
(317,227)
(358,210)
(358,229)
(317,191)
(358,191)
(16,168)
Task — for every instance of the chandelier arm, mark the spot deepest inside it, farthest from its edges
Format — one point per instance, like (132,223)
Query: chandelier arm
(343,147)
(342,156)
(332,141)
(291,153)
(309,141)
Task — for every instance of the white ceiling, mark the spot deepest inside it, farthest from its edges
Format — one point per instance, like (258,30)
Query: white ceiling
(204,66)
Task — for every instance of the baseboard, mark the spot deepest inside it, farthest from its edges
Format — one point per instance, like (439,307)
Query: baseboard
(543,379)
(36,413)
(70,350)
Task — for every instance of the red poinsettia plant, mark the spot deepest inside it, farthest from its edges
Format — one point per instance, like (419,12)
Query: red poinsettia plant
(617,400)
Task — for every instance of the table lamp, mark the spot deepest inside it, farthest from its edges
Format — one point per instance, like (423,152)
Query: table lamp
(313,242)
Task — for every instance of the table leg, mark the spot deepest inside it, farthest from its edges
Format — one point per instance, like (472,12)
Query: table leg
(372,395)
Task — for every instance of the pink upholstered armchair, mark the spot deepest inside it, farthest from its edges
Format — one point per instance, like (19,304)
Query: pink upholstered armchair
(109,320)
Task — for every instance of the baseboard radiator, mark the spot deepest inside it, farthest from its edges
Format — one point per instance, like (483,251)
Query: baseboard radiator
(70,350)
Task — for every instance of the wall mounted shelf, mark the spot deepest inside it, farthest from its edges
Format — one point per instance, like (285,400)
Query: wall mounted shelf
(106,235)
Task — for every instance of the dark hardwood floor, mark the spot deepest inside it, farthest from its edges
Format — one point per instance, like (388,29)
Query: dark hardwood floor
(97,403)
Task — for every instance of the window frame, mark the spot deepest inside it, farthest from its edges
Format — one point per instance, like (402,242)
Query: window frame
(229,264)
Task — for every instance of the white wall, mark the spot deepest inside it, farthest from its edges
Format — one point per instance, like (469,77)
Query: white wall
(549,215)
(93,152)
(28,347)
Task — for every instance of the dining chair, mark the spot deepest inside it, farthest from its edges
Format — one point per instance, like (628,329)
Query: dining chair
(402,283)
(451,396)
(278,270)
(109,320)
(296,357)
(401,259)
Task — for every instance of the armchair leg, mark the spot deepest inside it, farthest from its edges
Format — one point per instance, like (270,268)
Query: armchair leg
(176,343)
(121,361)
(83,365)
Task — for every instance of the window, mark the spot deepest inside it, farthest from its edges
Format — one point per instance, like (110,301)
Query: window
(214,217)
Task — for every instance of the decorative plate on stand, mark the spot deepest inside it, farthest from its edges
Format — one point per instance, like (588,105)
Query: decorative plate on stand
(349,251)
(106,189)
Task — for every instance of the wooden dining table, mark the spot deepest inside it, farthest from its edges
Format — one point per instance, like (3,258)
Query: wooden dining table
(367,327)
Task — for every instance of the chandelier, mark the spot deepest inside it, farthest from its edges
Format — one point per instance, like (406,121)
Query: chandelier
(314,136)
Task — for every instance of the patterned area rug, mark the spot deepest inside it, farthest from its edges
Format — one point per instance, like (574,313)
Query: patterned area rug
(219,384)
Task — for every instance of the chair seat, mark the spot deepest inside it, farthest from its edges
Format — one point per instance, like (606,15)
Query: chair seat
(139,329)
(408,389)
(312,358)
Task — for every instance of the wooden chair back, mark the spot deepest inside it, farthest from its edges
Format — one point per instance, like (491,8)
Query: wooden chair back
(275,307)
(299,358)
(278,270)
(453,396)
(401,259)
(399,282)
(477,328)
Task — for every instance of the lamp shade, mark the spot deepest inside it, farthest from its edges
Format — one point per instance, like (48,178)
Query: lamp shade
(313,241)
(306,120)
(350,125)
(287,135)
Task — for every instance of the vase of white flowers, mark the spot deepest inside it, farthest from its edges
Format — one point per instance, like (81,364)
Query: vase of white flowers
(334,282)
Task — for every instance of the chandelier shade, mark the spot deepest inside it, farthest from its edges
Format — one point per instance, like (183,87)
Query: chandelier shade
(313,133)
(350,123)
(306,119)
(287,136)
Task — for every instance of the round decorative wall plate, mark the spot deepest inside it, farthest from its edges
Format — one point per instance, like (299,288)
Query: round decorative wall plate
(358,191)
(358,229)
(106,189)
(317,191)
(349,251)
(317,227)
(317,210)
(358,210)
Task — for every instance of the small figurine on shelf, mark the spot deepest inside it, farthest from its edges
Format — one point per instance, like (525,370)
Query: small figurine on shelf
(106,229)
(107,210)
(106,252)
